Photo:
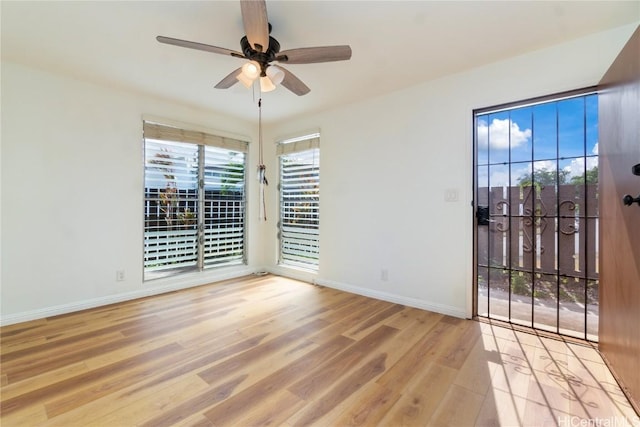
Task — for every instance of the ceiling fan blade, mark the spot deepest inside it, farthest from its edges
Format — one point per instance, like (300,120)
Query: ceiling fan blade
(256,24)
(293,83)
(230,80)
(310,55)
(199,46)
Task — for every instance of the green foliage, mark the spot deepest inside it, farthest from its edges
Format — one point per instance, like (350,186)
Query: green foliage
(168,196)
(520,284)
(591,177)
(542,177)
(168,202)
(187,217)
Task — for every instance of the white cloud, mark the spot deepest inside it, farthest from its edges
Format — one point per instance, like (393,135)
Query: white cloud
(576,167)
(549,165)
(499,177)
(499,131)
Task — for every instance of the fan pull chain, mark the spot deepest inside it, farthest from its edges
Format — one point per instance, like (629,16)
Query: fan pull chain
(262,169)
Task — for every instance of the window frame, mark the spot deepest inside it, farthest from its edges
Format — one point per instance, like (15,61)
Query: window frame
(285,149)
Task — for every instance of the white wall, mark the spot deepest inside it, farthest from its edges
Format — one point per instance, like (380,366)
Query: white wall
(71,191)
(72,180)
(386,164)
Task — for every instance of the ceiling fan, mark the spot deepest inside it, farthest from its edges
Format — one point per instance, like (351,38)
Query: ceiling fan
(261,50)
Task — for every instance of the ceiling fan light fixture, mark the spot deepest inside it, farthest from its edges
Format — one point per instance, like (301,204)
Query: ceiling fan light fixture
(251,70)
(246,81)
(266,85)
(275,74)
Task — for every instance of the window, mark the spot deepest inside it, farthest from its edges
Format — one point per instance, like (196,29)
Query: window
(194,204)
(300,202)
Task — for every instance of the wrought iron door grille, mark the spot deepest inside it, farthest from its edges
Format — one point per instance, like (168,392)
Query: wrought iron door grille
(537,219)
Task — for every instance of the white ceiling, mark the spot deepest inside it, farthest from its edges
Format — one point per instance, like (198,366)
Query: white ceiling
(395,44)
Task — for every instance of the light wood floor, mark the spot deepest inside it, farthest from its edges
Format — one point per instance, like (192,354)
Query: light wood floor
(273,351)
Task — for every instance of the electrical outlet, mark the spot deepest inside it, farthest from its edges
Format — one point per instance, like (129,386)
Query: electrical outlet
(384,274)
(119,275)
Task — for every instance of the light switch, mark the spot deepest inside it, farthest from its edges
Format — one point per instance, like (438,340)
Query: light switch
(451,195)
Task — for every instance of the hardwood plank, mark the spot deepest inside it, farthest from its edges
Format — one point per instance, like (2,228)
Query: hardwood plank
(24,370)
(343,389)
(515,373)
(128,407)
(479,367)
(196,404)
(52,390)
(230,366)
(449,412)
(369,408)
(465,341)
(272,326)
(274,351)
(11,331)
(375,320)
(22,344)
(27,416)
(147,368)
(418,401)
(537,414)
(411,315)
(49,349)
(317,381)
(419,356)
(274,412)
(499,408)
(194,365)
(358,309)
(34,383)
(226,412)
(195,421)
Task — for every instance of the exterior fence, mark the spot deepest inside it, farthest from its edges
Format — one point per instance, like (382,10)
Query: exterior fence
(538,257)
(541,229)
(172,238)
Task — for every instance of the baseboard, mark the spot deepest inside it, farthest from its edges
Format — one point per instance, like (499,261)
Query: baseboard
(385,296)
(293,273)
(159,286)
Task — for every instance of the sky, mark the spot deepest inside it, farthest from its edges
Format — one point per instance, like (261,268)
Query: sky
(552,135)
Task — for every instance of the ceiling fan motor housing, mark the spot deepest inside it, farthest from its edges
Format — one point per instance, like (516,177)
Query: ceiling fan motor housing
(262,58)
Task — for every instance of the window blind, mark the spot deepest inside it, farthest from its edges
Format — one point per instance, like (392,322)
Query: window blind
(297,145)
(169,133)
(299,230)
